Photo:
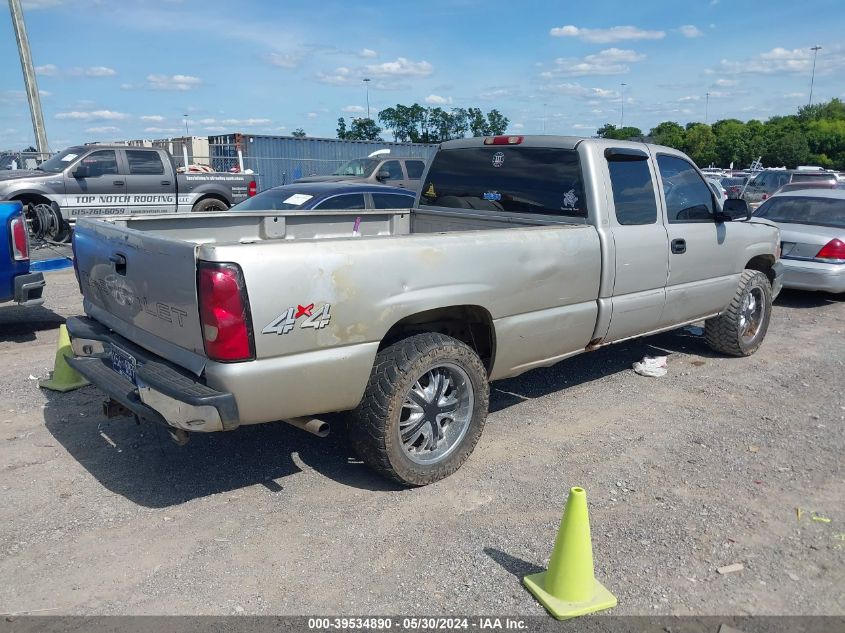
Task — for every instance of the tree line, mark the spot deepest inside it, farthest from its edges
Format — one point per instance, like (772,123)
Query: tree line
(421,124)
(813,136)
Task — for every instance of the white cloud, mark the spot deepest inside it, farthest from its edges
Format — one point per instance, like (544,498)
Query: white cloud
(47,70)
(153,118)
(353,109)
(367,53)
(689,30)
(173,82)
(434,99)
(100,71)
(611,61)
(402,67)
(494,94)
(794,95)
(606,36)
(582,92)
(313,115)
(689,98)
(215,128)
(105,129)
(96,115)
(781,61)
(286,60)
(341,76)
(725,83)
(163,130)
(234,122)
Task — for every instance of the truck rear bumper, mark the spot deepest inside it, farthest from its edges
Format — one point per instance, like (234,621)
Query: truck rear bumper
(29,288)
(160,392)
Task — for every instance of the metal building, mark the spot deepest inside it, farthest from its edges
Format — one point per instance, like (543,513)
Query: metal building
(280,160)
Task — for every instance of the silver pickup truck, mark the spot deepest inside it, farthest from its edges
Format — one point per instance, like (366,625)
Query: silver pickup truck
(103,180)
(520,252)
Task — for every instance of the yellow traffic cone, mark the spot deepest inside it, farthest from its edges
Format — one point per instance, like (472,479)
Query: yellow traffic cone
(568,588)
(63,377)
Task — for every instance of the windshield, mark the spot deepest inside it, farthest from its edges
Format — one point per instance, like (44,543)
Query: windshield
(513,179)
(804,210)
(357,167)
(278,199)
(61,160)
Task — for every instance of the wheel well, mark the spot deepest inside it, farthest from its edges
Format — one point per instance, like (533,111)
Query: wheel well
(763,263)
(31,198)
(469,324)
(212,196)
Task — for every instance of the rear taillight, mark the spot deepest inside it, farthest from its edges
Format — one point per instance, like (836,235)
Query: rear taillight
(252,189)
(833,251)
(503,140)
(224,312)
(765,196)
(20,238)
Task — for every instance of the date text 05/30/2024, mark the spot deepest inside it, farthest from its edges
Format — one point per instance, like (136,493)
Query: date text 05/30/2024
(417,624)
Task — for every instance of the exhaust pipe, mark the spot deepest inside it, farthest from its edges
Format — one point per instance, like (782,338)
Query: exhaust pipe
(320,428)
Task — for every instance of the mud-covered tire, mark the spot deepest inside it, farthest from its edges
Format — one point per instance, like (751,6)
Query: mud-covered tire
(209,205)
(376,425)
(740,329)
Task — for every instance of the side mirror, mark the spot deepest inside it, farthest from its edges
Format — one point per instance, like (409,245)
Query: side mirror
(81,172)
(383,175)
(734,209)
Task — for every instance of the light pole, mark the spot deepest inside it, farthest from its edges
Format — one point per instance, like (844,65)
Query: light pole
(29,81)
(187,134)
(706,107)
(622,107)
(815,50)
(544,118)
(366,81)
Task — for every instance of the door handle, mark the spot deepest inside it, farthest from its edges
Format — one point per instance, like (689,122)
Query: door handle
(165,182)
(679,246)
(118,182)
(119,261)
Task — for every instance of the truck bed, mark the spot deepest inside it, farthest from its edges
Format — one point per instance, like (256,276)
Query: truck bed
(239,227)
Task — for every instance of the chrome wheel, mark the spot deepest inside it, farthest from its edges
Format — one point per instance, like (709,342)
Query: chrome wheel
(436,414)
(752,314)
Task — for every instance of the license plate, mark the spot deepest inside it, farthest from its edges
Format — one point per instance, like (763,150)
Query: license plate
(123,363)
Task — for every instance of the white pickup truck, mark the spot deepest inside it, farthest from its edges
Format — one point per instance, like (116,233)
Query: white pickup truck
(520,252)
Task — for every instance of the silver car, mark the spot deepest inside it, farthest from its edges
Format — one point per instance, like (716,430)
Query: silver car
(812,230)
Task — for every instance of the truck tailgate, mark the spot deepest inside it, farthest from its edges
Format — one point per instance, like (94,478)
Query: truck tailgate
(143,286)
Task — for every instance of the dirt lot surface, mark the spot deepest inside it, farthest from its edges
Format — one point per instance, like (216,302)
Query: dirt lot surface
(700,469)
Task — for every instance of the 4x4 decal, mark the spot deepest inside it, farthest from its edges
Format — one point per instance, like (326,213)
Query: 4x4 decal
(286,321)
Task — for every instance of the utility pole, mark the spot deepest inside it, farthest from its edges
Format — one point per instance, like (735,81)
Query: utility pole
(187,134)
(544,118)
(815,50)
(366,81)
(706,107)
(622,108)
(30,84)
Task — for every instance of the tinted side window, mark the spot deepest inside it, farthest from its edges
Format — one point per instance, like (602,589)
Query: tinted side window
(633,192)
(391,201)
(101,163)
(346,201)
(688,198)
(393,168)
(415,169)
(144,163)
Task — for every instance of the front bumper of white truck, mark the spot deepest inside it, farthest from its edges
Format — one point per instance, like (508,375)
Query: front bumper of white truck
(146,384)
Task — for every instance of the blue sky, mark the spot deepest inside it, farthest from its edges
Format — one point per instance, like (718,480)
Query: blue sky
(111,69)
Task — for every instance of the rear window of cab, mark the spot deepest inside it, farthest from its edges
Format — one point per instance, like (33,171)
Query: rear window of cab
(527,180)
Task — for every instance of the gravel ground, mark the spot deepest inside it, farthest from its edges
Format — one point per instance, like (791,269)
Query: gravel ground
(702,468)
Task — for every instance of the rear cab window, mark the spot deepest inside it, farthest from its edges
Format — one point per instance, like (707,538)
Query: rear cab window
(537,181)
(143,163)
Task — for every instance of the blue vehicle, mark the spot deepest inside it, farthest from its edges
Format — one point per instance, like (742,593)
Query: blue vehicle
(328,195)
(17,283)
